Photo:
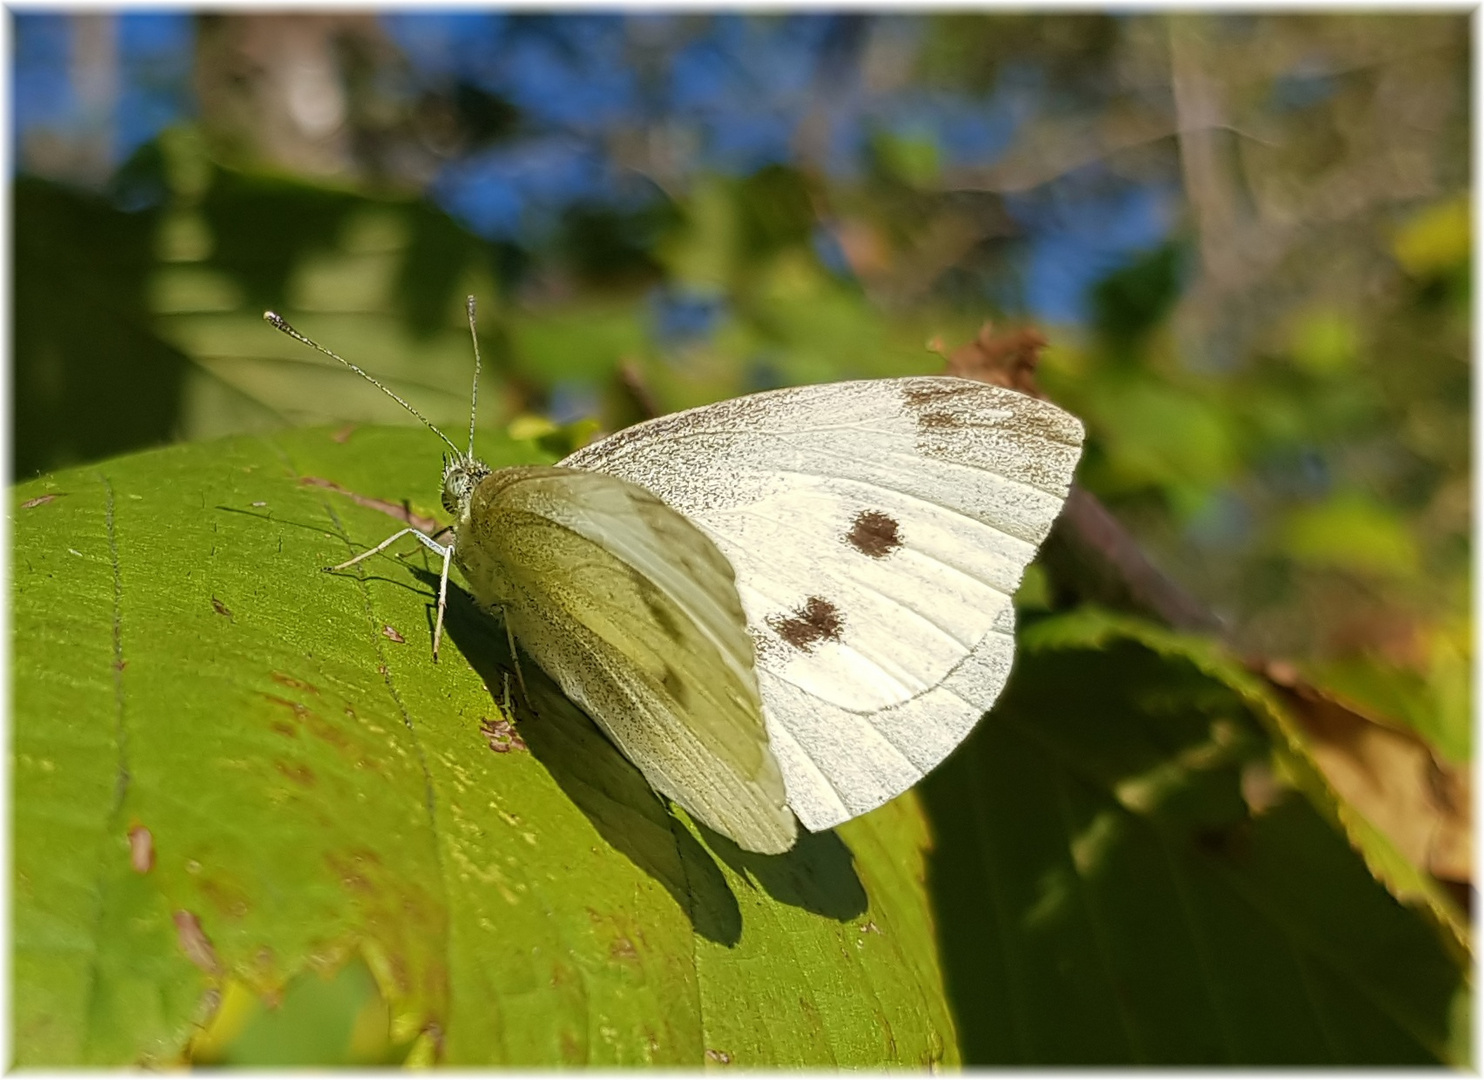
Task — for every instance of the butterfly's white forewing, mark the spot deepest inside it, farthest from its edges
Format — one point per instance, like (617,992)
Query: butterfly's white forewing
(632,610)
(878,530)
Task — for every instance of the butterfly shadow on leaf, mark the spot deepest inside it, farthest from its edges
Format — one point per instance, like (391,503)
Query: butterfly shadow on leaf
(594,775)
(818,874)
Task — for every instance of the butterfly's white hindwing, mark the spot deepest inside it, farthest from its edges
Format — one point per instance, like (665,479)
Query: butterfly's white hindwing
(632,610)
(878,530)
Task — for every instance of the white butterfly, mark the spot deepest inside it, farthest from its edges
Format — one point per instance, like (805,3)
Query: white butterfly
(789,604)
(878,530)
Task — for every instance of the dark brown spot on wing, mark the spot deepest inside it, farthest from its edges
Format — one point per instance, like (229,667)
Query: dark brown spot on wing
(818,620)
(874,534)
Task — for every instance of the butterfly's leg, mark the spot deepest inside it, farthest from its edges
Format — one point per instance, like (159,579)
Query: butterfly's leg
(428,542)
(515,658)
(423,537)
(446,530)
(442,598)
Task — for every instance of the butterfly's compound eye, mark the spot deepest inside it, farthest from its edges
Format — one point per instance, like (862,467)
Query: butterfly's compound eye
(459,480)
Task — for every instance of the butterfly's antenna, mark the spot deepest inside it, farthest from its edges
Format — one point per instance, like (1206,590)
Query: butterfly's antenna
(278,322)
(474,394)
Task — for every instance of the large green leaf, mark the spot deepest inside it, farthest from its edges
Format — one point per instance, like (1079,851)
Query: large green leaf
(234,785)
(237,777)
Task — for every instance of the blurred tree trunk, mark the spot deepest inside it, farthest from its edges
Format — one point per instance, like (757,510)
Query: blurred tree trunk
(272,90)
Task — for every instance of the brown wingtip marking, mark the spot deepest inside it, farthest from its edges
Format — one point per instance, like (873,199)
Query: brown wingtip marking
(927,392)
(818,620)
(874,533)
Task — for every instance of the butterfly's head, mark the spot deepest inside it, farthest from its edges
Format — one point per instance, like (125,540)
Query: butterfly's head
(461,475)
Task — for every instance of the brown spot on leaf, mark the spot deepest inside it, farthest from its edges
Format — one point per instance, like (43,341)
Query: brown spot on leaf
(349,872)
(302,775)
(344,433)
(284,729)
(221,608)
(874,534)
(226,896)
(623,949)
(297,684)
(501,735)
(571,1049)
(299,710)
(317,725)
(365,855)
(401,513)
(41,500)
(818,620)
(721,1057)
(434,1031)
(141,850)
(392,635)
(211,1001)
(194,942)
